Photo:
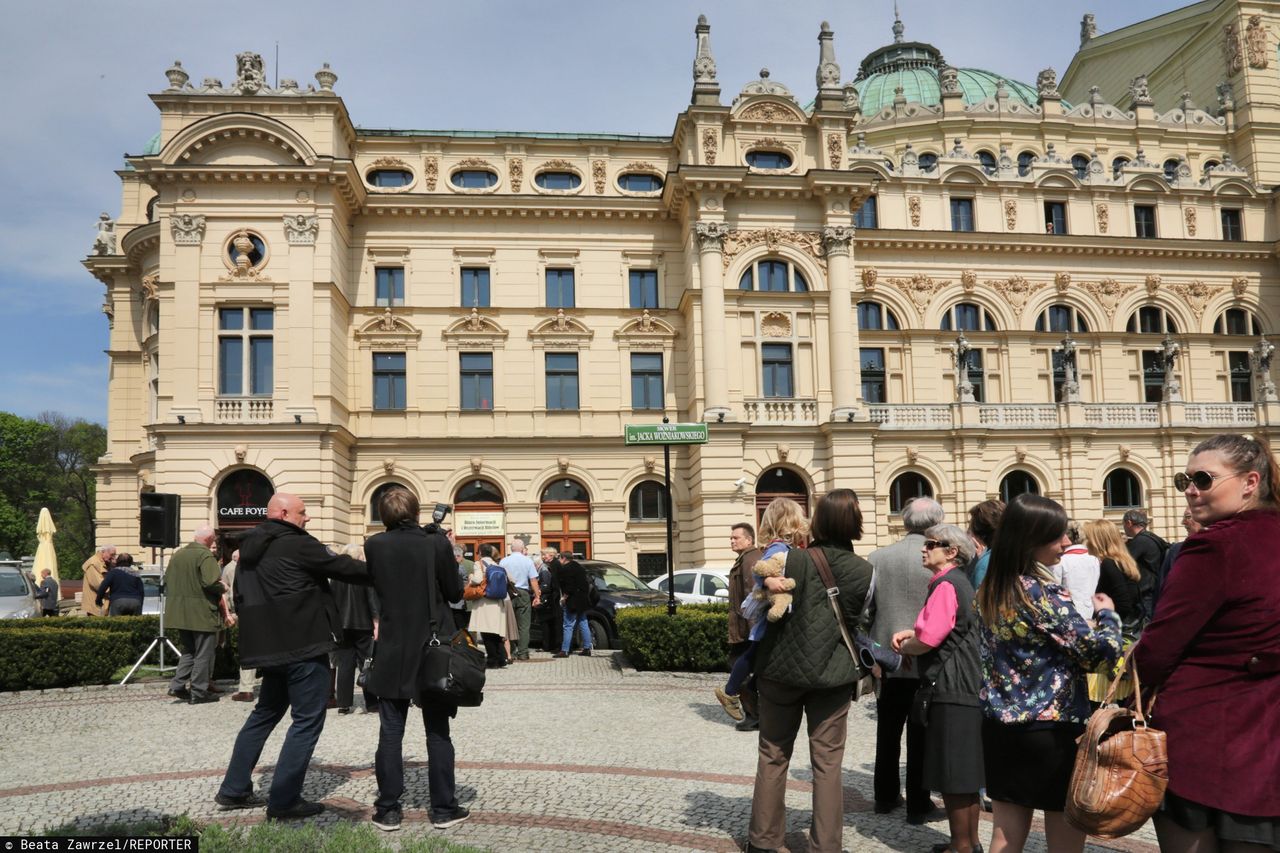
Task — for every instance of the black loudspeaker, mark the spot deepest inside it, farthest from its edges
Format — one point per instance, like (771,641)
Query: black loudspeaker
(159,520)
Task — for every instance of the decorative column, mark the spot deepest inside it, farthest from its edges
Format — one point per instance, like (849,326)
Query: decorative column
(297,386)
(187,231)
(845,384)
(715,371)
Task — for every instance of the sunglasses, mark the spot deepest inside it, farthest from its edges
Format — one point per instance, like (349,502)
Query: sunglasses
(1202,480)
(930,544)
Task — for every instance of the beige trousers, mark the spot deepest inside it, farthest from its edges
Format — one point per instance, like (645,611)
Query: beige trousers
(827,713)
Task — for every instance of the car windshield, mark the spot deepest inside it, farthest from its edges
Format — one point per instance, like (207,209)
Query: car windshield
(618,578)
(11,583)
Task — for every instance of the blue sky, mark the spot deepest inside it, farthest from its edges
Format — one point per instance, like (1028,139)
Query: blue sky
(75,102)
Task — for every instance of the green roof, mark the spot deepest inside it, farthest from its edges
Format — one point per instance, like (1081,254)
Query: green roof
(920,85)
(153,146)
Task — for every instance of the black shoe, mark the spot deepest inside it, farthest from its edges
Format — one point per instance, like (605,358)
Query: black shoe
(560,655)
(244,801)
(182,694)
(202,700)
(586,653)
(748,724)
(300,809)
(448,819)
(885,808)
(943,848)
(387,821)
(344,710)
(921,818)
(751,848)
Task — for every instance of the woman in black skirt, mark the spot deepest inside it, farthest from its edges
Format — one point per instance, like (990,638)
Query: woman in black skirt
(1036,650)
(945,639)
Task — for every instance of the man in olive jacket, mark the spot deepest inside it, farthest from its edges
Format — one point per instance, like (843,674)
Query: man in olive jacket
(288,625)
(193,586)
(742,539)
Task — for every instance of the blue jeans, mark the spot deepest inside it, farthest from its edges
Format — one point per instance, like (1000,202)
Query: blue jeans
(741,669)
(304,687)
(388,761)
(578,620)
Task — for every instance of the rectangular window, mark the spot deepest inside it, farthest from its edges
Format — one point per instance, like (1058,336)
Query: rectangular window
(873,386)
(389,381)
(646,381)
(559,288)
(644,288)
(869,317)
(389,285)
(1055,217)
(961,214)
(976,376)
(246,349)
(1231,224)
(475,287)
(1241,373)
(1059,318)
(867,215)
(477,380)
(1152,376)
(562,381)
(778,370)
(1144,220)
(651,565)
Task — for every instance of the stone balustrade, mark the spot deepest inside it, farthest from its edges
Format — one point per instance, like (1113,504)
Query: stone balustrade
(771,410)
(243,410)
(1054,416)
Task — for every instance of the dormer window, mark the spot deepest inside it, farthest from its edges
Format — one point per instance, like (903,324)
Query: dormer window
(768,159)
(557,180)
(388,178)
(927,162)
(639,182)
(474,179)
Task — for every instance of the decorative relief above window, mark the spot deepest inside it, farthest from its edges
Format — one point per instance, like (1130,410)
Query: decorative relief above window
(561,331)
(646,332)
(809,242)
(187,229)
(245,255)
(775,324)
(387,331)
(301,230)
(475,331)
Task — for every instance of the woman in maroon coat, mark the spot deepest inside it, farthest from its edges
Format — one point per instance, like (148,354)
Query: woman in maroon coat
(1214,652)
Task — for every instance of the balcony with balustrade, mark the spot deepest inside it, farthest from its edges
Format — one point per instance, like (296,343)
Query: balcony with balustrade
(1000,416)
(243,410)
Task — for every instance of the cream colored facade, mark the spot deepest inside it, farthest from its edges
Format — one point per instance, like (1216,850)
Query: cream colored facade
(766,183)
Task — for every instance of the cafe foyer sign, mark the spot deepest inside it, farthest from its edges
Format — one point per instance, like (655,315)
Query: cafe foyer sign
(243,496)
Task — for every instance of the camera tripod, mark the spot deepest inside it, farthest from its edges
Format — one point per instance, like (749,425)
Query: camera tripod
(160,640)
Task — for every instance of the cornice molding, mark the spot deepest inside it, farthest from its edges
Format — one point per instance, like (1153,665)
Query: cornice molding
(985,241)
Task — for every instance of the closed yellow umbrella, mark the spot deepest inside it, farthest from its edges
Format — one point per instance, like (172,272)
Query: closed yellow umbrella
(46,558)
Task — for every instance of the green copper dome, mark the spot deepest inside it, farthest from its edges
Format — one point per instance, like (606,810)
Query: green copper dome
(153,145)
(920,85)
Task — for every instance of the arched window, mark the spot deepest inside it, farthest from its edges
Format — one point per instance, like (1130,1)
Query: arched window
(1081,164)
(565,489)
(874,317)
(389,178)
(1061,318)
(565,512)
(1018,482)
(1121,490)
(1237,321)
(768,159)
(968,317)
(780,483)
(772,276)
(927,162)
(1210,165)
(1151,320)
(987,161)
(375,513)
(1171,169)
(1025,159)
(647,502)
(1117,164)
(478,492)
(905,488)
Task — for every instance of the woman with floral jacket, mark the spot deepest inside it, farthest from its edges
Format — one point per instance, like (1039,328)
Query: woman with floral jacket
(1036,651)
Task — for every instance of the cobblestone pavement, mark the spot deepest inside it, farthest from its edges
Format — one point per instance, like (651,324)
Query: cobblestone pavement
(579,754)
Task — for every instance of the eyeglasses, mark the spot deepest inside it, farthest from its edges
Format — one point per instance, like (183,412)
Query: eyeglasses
(1202,480)
(930,544)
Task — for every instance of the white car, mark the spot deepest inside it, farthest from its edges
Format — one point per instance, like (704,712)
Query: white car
(697,586)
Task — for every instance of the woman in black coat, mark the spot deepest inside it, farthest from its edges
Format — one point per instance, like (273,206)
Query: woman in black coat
(410,567)
(575,588)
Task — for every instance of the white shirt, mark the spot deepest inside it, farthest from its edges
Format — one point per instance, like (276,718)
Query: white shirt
(519,569)
(1078,572)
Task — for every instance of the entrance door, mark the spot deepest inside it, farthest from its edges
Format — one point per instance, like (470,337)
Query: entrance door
(242,504)
(565,515)
(780,483)
(478,517)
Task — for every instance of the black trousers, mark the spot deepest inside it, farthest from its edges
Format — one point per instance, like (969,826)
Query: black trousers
(552,630)
(747,695)
(461,619)
(354,649)
(892,709)
(494,650)
(388,761)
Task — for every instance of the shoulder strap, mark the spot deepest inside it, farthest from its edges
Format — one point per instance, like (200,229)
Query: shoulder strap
(820,563)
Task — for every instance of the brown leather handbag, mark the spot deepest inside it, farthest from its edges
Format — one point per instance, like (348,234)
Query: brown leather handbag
(1121,770)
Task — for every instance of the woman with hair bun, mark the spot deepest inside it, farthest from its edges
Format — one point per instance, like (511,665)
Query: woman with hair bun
(1213,650)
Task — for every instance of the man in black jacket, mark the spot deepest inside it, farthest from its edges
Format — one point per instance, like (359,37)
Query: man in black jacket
(575,591)
(1147,550)
(288,625)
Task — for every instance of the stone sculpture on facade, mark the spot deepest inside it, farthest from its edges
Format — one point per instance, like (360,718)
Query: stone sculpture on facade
(187,229)
(326,78)
(1255,41)
(300,229)
(1169,352)
(1231,49)
(710,235)
(960,350)
(1264,389)
(709,146)
(105,242)
(828,75)
(1070,375)
(1226,99)
(251,75)
(704,64)
(177,76)
(949,81)
(1088,28)
(1140,92)
(1047,84)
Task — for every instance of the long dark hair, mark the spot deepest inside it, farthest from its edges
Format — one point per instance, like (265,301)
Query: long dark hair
(1029,522)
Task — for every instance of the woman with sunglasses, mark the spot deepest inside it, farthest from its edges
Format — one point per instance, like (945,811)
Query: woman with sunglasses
(945,639)
(1036,650)
(1213,650)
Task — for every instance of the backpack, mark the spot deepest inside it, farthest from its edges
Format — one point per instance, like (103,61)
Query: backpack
(495,583)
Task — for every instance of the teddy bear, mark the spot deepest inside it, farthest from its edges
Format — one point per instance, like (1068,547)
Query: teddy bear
(774,567)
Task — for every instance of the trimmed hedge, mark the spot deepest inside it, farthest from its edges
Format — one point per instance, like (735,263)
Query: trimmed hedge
(696,639)
(137,632)
(42,657)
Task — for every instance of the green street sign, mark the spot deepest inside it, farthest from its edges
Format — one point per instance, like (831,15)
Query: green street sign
(666,433)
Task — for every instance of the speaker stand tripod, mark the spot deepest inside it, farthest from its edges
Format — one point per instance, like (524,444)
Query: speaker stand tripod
(160,640)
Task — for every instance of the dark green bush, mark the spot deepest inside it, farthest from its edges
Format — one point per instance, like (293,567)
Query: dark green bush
(696,639)
(42,657)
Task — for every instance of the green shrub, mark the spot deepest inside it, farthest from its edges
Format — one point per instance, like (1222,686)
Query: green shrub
(696,639)
(43,657)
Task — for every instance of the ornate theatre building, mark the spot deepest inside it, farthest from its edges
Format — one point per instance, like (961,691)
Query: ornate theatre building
(916,279)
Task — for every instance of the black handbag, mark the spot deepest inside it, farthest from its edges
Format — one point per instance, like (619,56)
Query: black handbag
(451,671)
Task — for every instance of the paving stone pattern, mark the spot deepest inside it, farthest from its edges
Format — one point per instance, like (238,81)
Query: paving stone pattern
(578,754)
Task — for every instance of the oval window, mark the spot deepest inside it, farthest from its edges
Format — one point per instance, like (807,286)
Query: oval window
(638,182)
(256,255)
(389,178)
(474,179)
(768,160)
(557,180)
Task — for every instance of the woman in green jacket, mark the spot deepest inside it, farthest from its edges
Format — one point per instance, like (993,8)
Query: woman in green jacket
(804,668)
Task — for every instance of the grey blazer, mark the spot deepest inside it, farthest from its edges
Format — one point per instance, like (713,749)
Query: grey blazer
(901,589)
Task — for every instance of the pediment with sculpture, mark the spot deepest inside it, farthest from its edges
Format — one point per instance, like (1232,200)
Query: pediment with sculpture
(388,329)
(477,330)
(646,331)
(562,328)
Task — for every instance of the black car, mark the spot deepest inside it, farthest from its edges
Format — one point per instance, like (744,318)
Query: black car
(618,589)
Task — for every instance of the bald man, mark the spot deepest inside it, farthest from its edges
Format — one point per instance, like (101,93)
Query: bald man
(288,621)
(193,589)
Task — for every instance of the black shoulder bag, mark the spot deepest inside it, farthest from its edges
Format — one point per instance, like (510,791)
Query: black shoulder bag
(451,671)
